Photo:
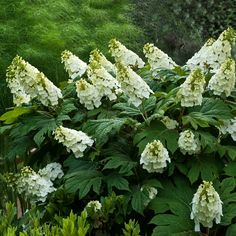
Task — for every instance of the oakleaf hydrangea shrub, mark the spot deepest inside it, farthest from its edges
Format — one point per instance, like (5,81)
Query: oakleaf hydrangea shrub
(144,145)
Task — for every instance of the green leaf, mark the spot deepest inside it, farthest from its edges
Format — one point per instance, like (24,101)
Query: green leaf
(169,224)
(83,181)
(230,169)
(127,109)
(228,197)
(208,141)
(120,161)
(117,181)
(11,116)
(208,167)
(158,131)
(231,230)
(209,113)
(173,208)
(73,164)
(103,129)
(139,200)
(149,104)
(5,128)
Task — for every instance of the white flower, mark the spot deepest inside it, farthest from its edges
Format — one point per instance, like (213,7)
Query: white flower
(152,192)
(188,143)
(33,186)
(169,123)
(124,55)
(154,157)
(104,82)
(20,98)
(47,92)
(223,81)
(94,205)
(96,55)
(73,65)
(206,206)
(229,126)
(27,82)
(157,58)
(88,94)
(132,84)
(190,93)
(75,141)
(51,171)
(213,53)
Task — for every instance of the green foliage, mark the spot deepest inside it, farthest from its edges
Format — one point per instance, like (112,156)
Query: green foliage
(131,229)
(121,175)
(180,27)
(173,208)
(40,30)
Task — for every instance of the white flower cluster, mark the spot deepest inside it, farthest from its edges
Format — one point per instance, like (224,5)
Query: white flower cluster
(190,93)
(51,171)
(103,81)
(73,65)
(88,94)
(229,127)
(223,81)
(152,192)
(169,123)
(75,141)
(96,55)
(213,53)
(124,55)
(27,83)
(188,143)
(132,84)
(36,186)
(95,206)
(154,157)
(206,206)
(157,58)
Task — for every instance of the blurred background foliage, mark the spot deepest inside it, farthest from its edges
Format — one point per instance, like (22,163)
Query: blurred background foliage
(181,27)
(39,30)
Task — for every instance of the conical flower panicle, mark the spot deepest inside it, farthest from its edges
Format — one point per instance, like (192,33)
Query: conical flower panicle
(26,83)
(223,81)
(188,143)
(96,55)
(132,84)
(206,206)
(154,158)
(75,141)
(190,93)
(104,82)
(73,65)
(157,58)
(124,55)
(214,53)
(37,186)
(88,94)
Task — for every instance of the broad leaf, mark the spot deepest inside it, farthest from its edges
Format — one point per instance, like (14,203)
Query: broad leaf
(121,161)
(209,113)
(103,129)
(83,181)
(227,194)
(117,181)
(172,206)
(157,131)
(11,116)
(206,167)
